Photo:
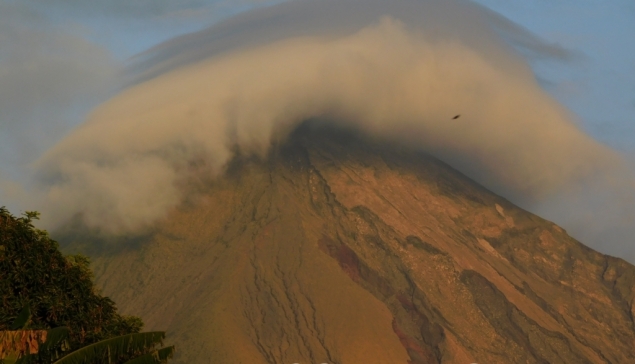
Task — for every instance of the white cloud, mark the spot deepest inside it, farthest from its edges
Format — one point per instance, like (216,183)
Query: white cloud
(386,79)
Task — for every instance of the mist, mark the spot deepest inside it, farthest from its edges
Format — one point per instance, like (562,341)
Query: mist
(397,71)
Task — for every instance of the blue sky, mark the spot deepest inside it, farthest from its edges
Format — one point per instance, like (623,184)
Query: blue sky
(599,85)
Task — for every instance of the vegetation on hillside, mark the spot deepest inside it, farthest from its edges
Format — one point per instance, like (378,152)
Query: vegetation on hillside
(42,290)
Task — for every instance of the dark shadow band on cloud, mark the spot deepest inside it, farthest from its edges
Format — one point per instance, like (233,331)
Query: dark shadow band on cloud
(125,8)
(463,21)
(525,42)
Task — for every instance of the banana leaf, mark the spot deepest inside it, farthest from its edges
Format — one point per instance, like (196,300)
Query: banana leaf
(110,349)
(22,320)
(156,357)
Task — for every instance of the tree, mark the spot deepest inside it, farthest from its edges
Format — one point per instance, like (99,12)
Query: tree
(61,300)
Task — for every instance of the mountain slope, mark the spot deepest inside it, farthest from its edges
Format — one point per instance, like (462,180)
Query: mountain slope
(337,250)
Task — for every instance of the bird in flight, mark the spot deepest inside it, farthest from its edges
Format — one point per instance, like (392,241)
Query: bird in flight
(456,117)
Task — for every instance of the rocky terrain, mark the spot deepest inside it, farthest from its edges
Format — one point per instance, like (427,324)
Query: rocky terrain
(338,250)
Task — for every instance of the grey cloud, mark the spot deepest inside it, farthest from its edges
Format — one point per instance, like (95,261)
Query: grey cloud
(48,77)
(142,9)
(472,24)
(128,8)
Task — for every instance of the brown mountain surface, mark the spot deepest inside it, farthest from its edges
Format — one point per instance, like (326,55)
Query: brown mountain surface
(337,250)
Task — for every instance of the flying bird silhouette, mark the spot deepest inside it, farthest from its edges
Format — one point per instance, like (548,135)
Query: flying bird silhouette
(456,117)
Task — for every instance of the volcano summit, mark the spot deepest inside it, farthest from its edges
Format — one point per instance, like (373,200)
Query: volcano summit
(337,249)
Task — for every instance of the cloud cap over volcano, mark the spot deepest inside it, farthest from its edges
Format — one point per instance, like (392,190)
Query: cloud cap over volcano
(396,71)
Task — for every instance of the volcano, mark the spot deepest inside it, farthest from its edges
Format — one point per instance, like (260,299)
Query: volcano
(338,249)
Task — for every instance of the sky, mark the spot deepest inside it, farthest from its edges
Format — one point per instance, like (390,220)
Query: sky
(60,59)
(599,86)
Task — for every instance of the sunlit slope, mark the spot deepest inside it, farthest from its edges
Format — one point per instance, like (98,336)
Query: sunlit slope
(335,250)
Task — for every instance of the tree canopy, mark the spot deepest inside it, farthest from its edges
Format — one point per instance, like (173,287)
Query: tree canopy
(58,290)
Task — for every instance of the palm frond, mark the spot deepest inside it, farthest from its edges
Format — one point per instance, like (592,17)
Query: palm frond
(56,338)
(56,342)
(156,357)
(165,353)
(108,349)
(22,320)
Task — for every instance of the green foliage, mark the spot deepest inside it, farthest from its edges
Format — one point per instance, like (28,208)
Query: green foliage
(57,290)
(140,347)
(155,357)
(22,320)
(56,343)
(114,349)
